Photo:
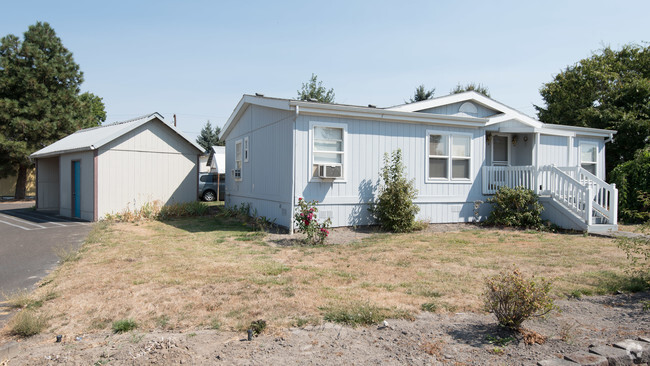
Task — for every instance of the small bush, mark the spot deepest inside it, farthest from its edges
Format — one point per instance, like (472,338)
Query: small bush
(394,208)
(124,325)
(27,323)
(516,207)
(513,298)
(258,326)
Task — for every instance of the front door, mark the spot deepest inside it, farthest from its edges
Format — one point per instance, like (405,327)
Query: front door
(76,189)
(500,150)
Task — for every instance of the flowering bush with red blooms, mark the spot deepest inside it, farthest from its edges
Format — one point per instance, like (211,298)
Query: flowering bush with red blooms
(307,222)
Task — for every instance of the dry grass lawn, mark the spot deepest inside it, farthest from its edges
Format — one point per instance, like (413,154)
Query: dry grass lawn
(213,272)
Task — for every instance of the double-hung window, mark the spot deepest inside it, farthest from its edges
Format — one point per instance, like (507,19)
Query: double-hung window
(449,157)
(328,146)
(238,160)
(589,157)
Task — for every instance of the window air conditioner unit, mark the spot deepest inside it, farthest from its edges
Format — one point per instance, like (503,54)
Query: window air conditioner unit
(330,171)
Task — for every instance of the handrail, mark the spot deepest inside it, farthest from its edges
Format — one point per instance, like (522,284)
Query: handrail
(574,187)
(570,193)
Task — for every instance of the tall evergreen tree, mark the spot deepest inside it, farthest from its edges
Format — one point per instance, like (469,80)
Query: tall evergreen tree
(479,88)
(421,93)
(209,137)
(39,98)
(313,90)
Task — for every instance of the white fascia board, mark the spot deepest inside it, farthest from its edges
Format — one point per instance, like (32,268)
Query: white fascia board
(473,97)
(582,131)
(246,101)
(386,115)
(36,155)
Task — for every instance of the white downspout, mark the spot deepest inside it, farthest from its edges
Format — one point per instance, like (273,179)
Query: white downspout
(293,173)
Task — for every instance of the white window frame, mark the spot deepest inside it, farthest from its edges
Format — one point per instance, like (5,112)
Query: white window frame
(246,149)
(580,162)
(344,127)
(449,137)
(238,162)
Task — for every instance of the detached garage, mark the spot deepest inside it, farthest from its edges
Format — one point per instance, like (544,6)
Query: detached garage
(114,167)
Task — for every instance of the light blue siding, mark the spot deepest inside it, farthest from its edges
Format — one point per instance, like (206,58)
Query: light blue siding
(266,176)
(345,202)
(553,150)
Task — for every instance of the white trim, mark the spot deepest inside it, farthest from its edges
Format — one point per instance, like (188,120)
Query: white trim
(596,163)
(246,149)
(241,164)
(449,136)
(344,153)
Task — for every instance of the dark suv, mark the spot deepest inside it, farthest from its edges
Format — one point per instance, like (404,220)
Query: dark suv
(208,186)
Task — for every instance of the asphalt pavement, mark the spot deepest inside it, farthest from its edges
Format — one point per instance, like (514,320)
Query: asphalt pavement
(28,240)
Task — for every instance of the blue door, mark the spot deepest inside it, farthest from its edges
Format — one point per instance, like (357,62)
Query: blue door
(76,189)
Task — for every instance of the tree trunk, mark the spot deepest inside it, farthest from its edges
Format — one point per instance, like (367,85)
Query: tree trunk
(21,183)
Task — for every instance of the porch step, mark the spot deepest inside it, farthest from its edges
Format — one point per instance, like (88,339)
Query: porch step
(602,228)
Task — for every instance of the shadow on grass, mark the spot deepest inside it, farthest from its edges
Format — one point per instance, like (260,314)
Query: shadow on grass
(205,224)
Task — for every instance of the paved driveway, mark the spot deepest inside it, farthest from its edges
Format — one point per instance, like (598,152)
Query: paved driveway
(28,240)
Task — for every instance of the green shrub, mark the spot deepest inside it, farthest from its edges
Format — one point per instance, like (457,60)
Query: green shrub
(513,298)
(124,325)
(516,207)
(27,323)
(632,179)
(394,208)
(258,326)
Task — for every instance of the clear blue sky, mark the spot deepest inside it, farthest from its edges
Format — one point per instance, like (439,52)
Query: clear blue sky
(197,58)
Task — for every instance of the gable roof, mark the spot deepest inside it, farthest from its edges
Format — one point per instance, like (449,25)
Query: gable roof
(506,114)
(217,159)
(346,110)
(95,137)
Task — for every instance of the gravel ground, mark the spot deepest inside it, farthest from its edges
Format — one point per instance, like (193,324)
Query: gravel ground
(438,339)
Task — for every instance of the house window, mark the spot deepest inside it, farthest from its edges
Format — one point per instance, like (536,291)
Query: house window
(328,148)
(238,160)
(449,156)
(246,149)
(589,157)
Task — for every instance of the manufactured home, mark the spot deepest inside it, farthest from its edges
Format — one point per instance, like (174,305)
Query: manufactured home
(458,149)
(116,167)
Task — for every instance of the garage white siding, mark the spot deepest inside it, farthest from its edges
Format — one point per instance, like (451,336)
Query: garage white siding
(145,165)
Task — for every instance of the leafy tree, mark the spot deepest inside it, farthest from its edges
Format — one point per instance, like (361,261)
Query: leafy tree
(610,90)
(39,98)
(633,181)
(422,94)
(394,209)
(315,91)
(210,137)
(479,88)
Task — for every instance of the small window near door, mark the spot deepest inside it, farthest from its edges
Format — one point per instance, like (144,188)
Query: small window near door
(589,157)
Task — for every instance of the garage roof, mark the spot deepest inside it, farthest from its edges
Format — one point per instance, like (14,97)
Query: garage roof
(95,137)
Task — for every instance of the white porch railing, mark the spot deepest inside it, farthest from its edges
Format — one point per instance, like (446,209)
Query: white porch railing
(495,177)
(574,188)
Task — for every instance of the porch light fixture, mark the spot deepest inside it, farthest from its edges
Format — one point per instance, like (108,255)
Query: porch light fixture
(525,138)
(514,140)
(488,137)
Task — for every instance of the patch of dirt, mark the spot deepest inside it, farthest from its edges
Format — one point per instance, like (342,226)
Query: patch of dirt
(439,339)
